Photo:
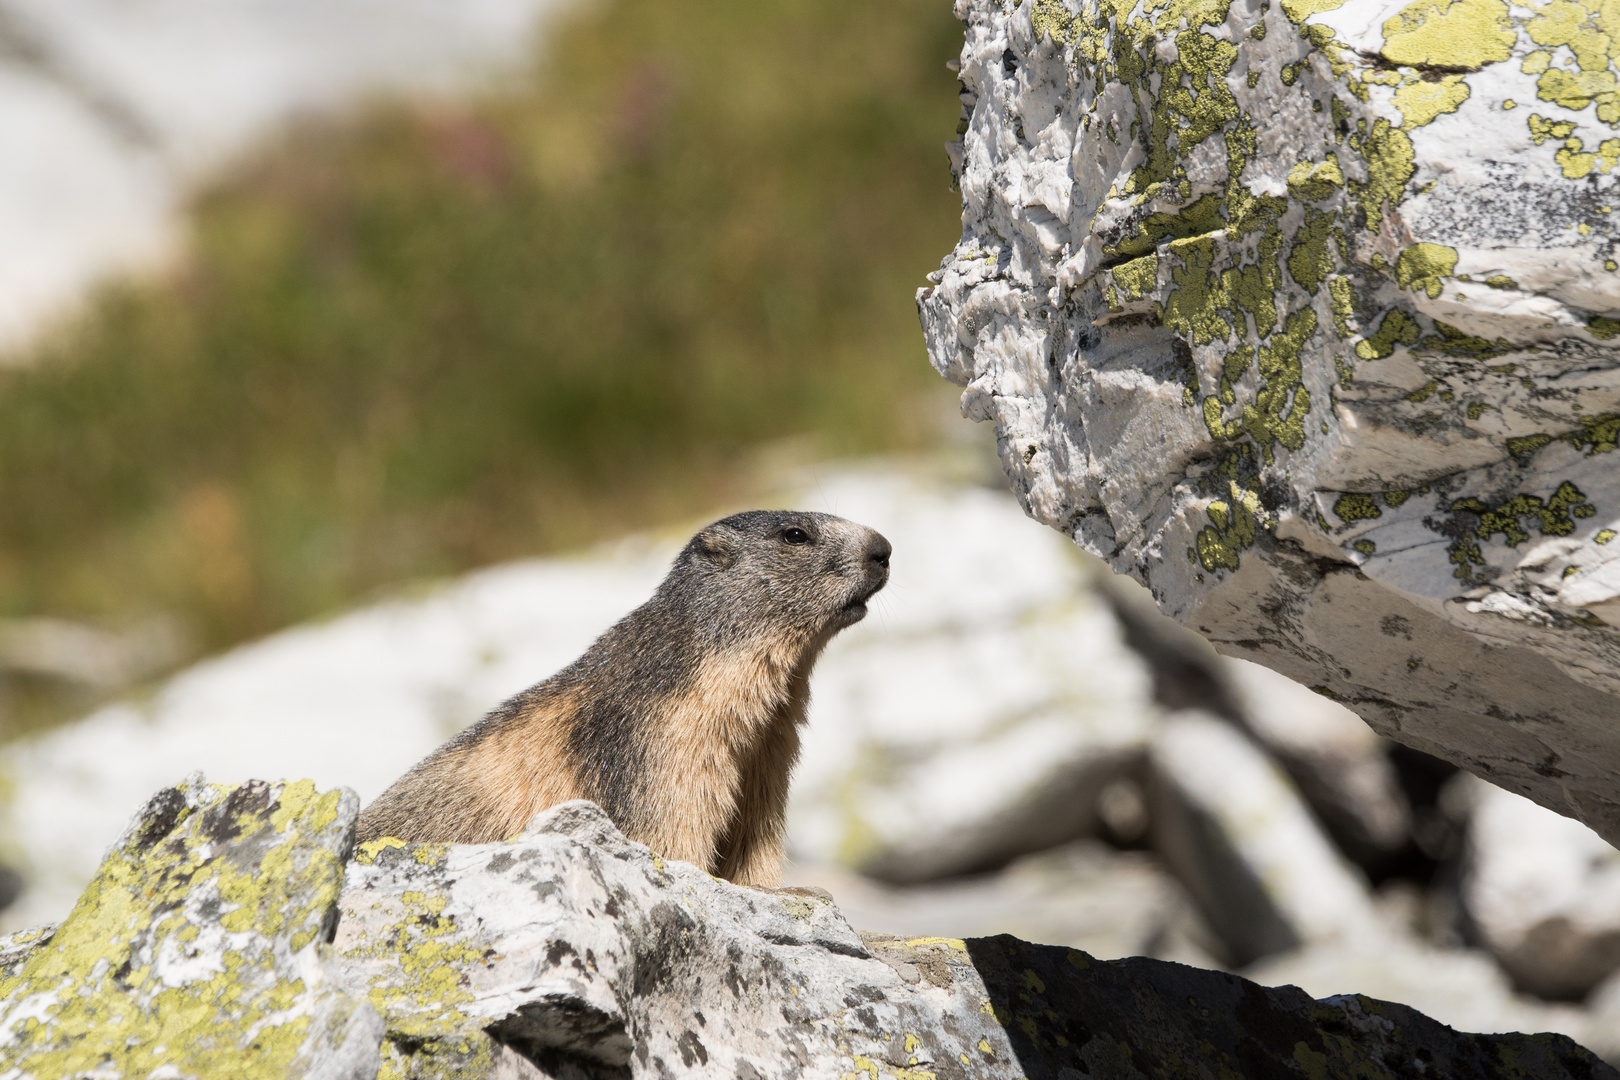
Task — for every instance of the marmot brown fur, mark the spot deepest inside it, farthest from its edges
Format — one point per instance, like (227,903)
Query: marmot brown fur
(681,721)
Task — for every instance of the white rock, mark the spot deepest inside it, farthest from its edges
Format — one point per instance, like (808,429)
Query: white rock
(1338,762)
(1303,314)
(1544,893)
(1084,895)
(1231,825)
(588,955)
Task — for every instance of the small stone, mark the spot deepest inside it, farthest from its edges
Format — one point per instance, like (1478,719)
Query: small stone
(1544,893)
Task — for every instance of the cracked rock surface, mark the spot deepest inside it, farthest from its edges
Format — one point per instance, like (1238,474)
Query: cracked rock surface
(208,939)
(1304,315)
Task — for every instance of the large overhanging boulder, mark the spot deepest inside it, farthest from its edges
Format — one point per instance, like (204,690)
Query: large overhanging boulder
(1305,315)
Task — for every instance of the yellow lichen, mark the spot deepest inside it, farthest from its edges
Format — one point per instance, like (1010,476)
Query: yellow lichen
(1232,528)
(1390,164)
(1420,100)
(1300,10)
(1314,183)
(1422,266)
(91,985)
(1397,328)
(1138,277)
(1450,33)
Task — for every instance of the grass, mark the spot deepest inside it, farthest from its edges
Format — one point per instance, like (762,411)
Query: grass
(423,339)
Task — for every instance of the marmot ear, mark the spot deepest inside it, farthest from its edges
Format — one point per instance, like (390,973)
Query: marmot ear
(716,548)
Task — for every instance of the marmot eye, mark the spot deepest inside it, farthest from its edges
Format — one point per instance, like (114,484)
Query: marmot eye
(795,536)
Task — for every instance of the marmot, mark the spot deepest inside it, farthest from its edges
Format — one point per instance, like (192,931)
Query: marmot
(681,721)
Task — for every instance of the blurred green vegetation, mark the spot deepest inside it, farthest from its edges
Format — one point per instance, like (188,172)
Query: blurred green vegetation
(424,339)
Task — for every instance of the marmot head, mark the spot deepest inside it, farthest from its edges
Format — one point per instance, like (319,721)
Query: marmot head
(792,571)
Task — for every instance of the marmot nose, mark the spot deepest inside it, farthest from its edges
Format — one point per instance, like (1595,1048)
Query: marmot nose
(878,550)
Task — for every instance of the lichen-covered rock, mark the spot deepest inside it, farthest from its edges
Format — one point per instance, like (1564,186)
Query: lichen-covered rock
(1305,314)
(1543,893)
(592,957)
(571,952)
(590,954)
(196,949)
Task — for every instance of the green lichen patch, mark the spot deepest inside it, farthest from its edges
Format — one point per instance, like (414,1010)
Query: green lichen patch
(1397,328)
(1193,102)
(1138,277)
(1352,507)
(1300,10)
(1512,518)
(1542,129)
(1422,100)
(1597,434)
(1390,165)
(1281,402)
(1455,342)
(1198,218)
(250,874)
(1577,162)
(1051,19)
(1195,304)
(408,1057)
(1313,183)
(1586,76)
(1424,266)
(1524,446)
(1341,297)
(1309,260)
(1602,327)
(1233,526)
(416,953)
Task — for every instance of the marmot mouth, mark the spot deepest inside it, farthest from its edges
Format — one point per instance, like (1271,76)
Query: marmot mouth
(852,612)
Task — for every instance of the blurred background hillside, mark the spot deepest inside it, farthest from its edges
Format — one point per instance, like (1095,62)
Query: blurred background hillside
(410,338)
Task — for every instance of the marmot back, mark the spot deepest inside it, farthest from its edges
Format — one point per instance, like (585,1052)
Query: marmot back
(681,721)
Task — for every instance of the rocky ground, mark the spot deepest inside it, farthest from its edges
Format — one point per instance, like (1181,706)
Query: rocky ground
(225,930)
(1012,743)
